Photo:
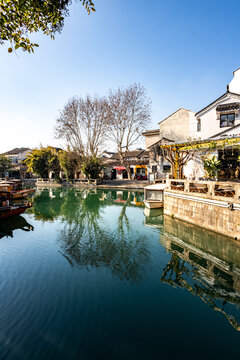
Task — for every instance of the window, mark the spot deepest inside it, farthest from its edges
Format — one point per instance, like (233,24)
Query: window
(166,168)
(198,125)
(227,120)
(154,168)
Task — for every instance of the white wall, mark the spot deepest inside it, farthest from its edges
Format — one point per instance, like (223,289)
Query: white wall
(209,123)
(234,85)
(181,125)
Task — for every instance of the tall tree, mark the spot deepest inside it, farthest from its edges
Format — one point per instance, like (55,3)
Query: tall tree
(70,162)
(92,167)
(177,160)
(41,161)
(128,116)
(82,124)
(5,164)
(19,18)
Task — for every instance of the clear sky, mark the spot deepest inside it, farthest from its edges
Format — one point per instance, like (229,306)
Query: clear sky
(182,52)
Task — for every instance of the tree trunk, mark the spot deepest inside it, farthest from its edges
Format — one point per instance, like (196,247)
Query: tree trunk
(180,171)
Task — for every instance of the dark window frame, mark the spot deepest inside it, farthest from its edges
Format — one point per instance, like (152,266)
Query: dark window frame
(198,125)
(228,125)
(166,168)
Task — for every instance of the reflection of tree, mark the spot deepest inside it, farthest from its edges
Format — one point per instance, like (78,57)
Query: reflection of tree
(47,205)
(9,225)
(51,204)
(176,273)
(84,239)
(85,243)
(123,219)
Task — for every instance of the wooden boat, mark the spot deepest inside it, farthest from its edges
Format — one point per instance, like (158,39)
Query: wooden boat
(15,187)
(154,196)
(20,194)
(7,211)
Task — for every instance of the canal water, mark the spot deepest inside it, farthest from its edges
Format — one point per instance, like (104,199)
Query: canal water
(86,274)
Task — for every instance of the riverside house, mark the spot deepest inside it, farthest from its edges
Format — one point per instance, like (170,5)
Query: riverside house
(138,160)
(17,156)
(220,119)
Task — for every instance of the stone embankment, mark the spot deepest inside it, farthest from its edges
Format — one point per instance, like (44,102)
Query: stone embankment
(118,184)
(210,204)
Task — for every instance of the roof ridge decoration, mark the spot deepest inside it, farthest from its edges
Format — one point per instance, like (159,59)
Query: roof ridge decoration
(215,101)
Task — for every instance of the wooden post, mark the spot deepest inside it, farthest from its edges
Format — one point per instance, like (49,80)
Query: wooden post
(186,185)
(176,165)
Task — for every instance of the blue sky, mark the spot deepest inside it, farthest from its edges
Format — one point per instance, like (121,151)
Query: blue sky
(182,52)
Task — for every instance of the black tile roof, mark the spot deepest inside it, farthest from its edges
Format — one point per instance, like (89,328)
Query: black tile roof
(16,151)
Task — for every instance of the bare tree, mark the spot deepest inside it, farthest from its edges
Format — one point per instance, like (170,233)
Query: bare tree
(82,123)
(128,116)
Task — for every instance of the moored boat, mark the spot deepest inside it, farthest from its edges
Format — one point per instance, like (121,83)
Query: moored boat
(7,209)
(154,196)
(20,194)
(15,187)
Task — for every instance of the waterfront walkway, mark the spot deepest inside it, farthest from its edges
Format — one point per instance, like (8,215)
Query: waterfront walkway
(117,184)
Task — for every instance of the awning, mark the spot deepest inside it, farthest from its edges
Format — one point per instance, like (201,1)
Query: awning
(119,168)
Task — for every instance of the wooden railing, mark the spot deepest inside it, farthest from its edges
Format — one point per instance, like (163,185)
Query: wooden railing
(210,188)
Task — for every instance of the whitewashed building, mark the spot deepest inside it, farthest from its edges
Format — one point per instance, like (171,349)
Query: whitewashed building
(17,156)
(218,119)
(223,113)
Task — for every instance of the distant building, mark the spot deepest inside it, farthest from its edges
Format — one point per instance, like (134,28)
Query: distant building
(17,156)
(107,154)
(138,160)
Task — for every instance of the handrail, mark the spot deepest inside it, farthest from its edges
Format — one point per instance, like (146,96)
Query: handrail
(213,189)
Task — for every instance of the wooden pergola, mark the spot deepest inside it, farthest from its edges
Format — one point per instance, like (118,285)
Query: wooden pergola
(178,154)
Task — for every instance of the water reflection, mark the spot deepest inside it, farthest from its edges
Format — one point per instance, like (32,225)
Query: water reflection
(206,264)
(154,218)
(94,234)
(8,226)
(84,238)
(50,204)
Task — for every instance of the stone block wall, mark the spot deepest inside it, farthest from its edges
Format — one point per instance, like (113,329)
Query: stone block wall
(210,216)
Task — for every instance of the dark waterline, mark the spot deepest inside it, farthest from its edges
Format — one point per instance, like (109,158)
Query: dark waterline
(86,275)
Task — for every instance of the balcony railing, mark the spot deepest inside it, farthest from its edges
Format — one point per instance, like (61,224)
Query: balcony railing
(213,189)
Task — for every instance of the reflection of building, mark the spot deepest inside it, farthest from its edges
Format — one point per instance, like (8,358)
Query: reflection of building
(154,218)
(17,156)
(214,271)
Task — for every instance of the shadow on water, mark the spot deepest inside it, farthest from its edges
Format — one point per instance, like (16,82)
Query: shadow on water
(84,239)
(8,226)
(204,263)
